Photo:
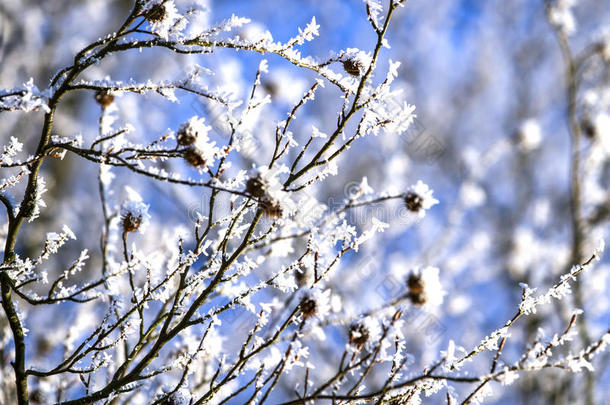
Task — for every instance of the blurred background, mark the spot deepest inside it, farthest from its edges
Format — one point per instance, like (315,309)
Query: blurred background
(491,138)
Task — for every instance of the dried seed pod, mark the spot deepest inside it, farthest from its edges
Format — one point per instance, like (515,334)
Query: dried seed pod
(44,345)
(415,284)
(354,67)
(38,397)
(131,222)
(134,216)
(195,158)
(301,276)
(424,287)
(588,127)
(255,186)
(417,299)
(156,13)
(308,307)
(416,287)
(271,87)
(271,207)
(414,201)
(358,335)
(104,98)
(186,136)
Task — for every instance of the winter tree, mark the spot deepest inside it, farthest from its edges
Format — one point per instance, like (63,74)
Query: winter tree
(302,202)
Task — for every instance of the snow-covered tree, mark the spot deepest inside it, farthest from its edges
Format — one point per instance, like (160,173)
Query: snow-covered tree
(200,207)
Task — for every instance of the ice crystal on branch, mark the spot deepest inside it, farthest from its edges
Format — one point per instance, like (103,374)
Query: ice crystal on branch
(27,98)
(10,151)
(373,9)
(56,240)
(307,34)
(32,209)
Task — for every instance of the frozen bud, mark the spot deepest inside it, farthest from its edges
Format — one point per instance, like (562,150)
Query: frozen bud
(529,135)
(156,12)
(162,16)
(255,186)
(44,345)
(195,157)
(588,127)
(37,396)
(413,202)
(134,216)
(271,87)
(302,276)
(364,331)
(186,136)
(424,287)
(308,306)
(104,98)
(358,335)
(264,185)
(594,126)
(419,198)
(315,302)
(355,62)
(200,151)
(417,299)
(200,155)
(415,283)
(263,181)
(131,223)
(354,67)
(192,131)
(416,287)
(271,207)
